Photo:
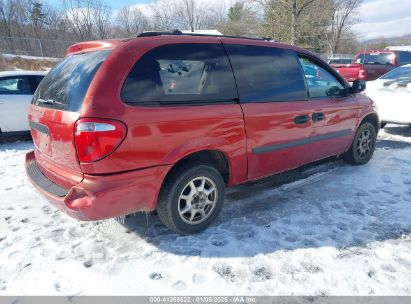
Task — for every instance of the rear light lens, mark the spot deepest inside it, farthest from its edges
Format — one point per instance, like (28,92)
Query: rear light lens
(361,74)
(97,138)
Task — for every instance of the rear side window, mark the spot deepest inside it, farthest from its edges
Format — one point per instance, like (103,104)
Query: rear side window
(15,85)
(265,74)
(181,74)
(65,86)
(404,57)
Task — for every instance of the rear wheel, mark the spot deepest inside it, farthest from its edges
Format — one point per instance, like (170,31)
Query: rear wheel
(191,198)
(363,145)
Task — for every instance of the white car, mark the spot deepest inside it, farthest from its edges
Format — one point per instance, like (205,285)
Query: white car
(16,91)
(392,94)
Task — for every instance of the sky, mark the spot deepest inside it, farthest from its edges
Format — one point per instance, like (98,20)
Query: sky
(379,18)
(384,18)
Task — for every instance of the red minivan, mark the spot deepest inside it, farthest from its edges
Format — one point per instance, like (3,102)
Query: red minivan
(165,121)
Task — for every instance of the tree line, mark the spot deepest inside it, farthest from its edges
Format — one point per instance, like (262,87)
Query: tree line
(324,26)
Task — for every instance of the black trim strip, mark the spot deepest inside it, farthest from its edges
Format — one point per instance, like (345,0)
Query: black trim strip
(181,103)
(39,127)
(300,142)
(43,182)
(4,134)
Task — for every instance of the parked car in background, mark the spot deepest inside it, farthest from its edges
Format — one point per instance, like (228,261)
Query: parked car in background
(16,91)
(392,94)
(165,121)
(399,48)
(369,65)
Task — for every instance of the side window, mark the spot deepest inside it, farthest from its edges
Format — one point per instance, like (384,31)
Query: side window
(266,74)
(404,58)
(181,73)
(15,85)
(35,81)
(320,82)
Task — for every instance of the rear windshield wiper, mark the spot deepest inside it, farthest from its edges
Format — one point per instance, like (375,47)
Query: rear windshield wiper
(49,101)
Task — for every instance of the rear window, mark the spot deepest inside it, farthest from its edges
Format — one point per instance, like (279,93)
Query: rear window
(339,61)
(65,86)
(376,58)
(181,74)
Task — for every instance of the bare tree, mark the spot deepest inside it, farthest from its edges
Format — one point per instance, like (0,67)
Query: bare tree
(343,16)
(285,16)
(185,15)
(321,25)
(7,9)
(15,18)
(131,21)
(87,19)
(241,20)
(163,16)
(192,14)
(102,16)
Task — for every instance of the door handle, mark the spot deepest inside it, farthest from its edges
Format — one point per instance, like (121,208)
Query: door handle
(318,116)
(301,119)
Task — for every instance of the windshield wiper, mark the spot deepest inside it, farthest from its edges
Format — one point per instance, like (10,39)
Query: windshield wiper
(49,101)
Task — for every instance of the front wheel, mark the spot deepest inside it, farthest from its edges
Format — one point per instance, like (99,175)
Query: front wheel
(363,145)
(191,198)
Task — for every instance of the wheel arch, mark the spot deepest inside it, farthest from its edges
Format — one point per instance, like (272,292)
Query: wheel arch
(216,158)
(373,119)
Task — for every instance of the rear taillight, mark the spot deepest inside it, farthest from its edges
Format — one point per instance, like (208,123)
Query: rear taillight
(361,74)
(97,138)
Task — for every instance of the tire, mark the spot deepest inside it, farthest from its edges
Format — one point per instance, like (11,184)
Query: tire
(178,194)
(363,145)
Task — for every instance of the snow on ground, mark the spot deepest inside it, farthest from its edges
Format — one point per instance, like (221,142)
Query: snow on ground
(334,230)
(9,56)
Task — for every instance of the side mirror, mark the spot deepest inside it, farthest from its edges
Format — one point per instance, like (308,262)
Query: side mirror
(357,86)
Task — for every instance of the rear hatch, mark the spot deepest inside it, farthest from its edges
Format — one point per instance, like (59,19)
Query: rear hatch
(55,109)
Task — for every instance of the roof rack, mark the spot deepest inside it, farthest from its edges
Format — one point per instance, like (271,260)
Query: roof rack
(178,33)
(155,33)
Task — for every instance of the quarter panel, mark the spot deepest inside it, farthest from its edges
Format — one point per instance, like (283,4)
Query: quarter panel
(163,135)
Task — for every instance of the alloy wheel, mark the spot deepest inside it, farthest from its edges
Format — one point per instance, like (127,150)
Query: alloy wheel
(197,200)
(364,143)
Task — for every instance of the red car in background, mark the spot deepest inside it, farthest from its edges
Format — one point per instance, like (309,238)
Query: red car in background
(369,65)
(164,121)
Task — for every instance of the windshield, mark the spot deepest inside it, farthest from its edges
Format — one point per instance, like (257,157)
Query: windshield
(401,73)
(65,86)
(376,58)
